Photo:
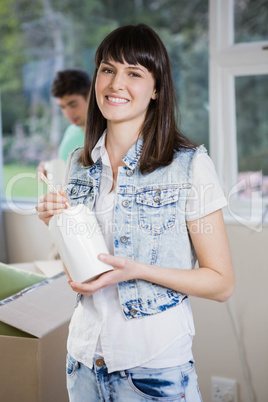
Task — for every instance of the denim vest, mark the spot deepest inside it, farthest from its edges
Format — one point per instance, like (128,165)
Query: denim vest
(149,221)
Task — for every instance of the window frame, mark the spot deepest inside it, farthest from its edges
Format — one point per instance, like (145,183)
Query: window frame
(229,60)
(2,237)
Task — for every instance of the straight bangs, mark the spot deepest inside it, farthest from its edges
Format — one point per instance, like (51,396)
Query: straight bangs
(134,45)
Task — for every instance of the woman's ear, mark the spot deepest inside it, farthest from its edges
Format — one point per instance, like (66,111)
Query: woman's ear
(154,95)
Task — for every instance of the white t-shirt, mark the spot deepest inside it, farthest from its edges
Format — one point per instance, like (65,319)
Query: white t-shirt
(98,325)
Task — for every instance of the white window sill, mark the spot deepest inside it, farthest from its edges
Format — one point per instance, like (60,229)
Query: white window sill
(21,206)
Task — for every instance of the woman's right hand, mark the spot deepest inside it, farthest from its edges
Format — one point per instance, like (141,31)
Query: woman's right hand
(51,204)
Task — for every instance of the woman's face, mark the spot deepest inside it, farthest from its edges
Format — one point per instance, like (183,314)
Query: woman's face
(123,91)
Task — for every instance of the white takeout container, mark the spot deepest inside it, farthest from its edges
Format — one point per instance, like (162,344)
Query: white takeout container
(79,241)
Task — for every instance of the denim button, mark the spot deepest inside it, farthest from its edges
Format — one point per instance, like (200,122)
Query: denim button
(130,172)
(124,239)
(74,191)
(157,199)
(125,203)
(132,312)
(99,362)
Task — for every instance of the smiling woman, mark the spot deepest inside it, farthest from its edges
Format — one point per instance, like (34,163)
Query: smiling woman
(142,177)
(129,87)
(151,86)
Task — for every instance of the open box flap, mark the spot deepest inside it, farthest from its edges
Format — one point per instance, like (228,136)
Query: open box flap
(40,309)
(49,268)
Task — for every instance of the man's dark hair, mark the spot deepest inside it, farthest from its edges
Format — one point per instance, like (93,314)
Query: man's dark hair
(71,82)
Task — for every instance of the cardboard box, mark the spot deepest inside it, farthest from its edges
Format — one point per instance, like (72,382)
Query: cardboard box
(32,368)
(48,268)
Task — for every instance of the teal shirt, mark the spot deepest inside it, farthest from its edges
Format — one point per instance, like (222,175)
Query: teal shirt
(73,137)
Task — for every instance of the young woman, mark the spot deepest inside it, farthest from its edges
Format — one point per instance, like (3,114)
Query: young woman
(157,198)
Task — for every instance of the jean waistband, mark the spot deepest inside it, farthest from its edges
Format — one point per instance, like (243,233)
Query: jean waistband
(99,363)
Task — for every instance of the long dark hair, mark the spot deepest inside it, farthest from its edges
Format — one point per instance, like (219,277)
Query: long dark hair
(161,136)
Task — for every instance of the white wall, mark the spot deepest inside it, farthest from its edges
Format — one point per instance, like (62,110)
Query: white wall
(215,348)
(26,237)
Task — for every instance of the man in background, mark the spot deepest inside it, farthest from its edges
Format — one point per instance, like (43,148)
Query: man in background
(71,89)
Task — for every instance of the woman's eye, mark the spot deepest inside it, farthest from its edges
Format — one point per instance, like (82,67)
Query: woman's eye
(107,71)
(134,75)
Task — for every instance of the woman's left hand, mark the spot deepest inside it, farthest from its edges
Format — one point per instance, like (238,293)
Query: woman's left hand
(124,270)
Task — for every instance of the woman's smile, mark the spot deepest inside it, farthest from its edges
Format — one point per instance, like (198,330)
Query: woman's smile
(116,100)
(124,91)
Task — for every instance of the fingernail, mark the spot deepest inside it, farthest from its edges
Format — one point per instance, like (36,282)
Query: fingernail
(102,256)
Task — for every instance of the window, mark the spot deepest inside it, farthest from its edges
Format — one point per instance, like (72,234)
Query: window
(250,21)
(251,94)
(2,237)
(40,38)
(238,106)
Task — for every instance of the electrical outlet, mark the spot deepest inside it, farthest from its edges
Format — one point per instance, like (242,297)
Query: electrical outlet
(223,390)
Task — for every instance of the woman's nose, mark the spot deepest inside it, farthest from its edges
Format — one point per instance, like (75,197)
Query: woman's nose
(118,82)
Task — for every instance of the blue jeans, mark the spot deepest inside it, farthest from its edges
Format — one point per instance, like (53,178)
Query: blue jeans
(138,384)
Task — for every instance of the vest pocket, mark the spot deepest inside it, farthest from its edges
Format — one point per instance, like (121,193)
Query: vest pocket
(157,207)
(78,192)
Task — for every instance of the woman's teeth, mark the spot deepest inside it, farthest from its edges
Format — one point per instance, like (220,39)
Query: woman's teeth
(117,100)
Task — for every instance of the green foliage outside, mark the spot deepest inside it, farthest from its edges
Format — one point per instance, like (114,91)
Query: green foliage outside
(21,182)
(39,38)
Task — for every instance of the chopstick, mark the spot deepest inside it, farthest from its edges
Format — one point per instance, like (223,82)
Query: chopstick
(51,188)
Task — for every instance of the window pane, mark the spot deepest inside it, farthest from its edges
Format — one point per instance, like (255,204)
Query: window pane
(252,133)
(40,38)
(251,20)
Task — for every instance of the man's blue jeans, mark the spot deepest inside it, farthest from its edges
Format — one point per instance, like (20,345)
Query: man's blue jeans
(137,384)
